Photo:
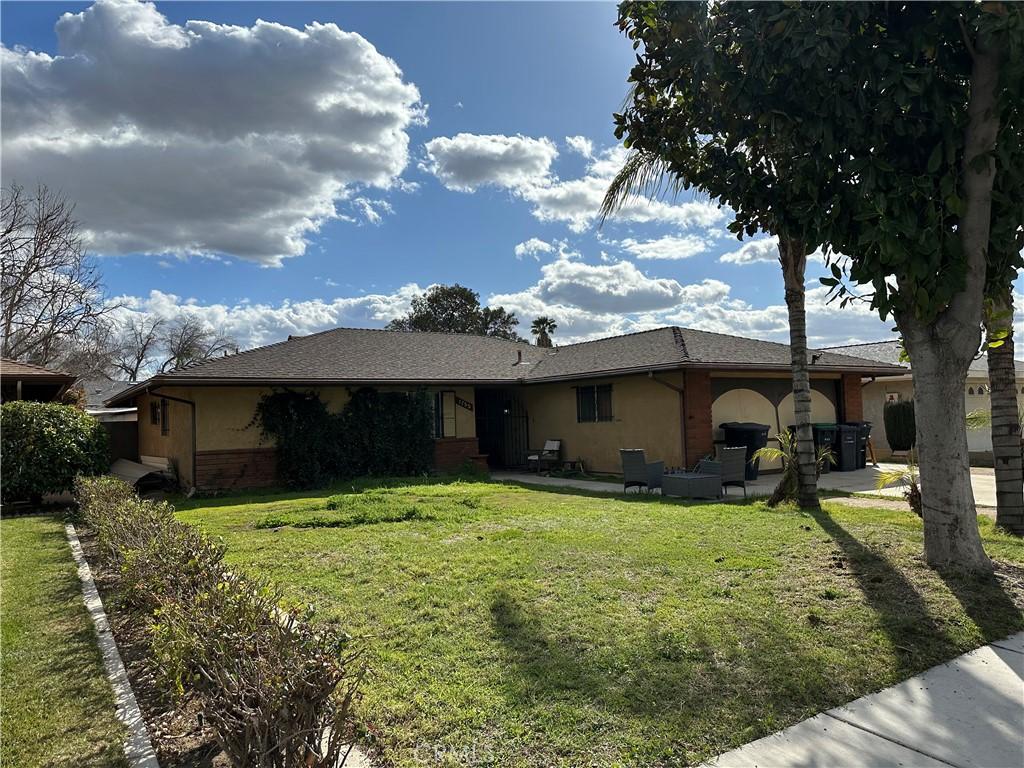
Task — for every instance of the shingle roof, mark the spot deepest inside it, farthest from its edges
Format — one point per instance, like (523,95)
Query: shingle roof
(357,355)
(16,369)
(99,390)
(889,352)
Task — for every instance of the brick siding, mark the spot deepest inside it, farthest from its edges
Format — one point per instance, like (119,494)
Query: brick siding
(239,468)
(853,400)
(450,453)
(700,439)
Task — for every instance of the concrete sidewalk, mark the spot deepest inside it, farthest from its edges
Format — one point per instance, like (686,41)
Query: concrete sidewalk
(967,713)
(860,481)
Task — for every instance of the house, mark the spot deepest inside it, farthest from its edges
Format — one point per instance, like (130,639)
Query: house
(121,423)
(878,393)
(25,381)
(663,390)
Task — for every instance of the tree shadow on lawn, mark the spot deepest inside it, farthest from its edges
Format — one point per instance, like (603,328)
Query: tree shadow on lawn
(677,691)
(901,609)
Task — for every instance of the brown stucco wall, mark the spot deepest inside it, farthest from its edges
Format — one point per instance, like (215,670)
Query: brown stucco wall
(645,414)
(228,449)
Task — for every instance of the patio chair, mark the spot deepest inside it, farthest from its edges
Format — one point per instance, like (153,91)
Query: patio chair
(734,467)
(550,454)
(637,472)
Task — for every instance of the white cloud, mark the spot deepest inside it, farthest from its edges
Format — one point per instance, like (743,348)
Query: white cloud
(533,247)
(372,210)
(521,164)
(602,288)
(752,251)
(577,202)
(468,161)
(667,247)
(204,138)
(253,325)
(580,145)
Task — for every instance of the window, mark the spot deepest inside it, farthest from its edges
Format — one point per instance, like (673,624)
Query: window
(154,413)
(444,414)
(165,424)
(594,403)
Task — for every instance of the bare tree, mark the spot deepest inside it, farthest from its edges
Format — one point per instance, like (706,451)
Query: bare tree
(90,354)
(50,289)
(188,341)
(139,344)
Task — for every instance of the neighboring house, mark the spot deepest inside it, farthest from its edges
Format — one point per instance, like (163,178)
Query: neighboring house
(878,393)
(25,381)
(121,423)
(663,390)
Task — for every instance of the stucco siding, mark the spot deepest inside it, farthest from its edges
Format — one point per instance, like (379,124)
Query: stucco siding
(645,414)
(877,393)
(176,445)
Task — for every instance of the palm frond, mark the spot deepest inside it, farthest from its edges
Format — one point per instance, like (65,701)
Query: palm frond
(644,174)
(771,454)
(979,419)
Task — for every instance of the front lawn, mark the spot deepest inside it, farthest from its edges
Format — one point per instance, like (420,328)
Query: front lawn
(56,706)
(514,627)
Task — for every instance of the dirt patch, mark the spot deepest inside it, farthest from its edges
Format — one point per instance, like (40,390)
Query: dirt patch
(178,735)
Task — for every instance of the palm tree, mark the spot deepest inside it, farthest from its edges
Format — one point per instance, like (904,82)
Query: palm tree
(646,174)
(543,328)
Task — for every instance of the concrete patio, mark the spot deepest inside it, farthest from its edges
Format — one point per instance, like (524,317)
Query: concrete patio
(861,481)
(968,713)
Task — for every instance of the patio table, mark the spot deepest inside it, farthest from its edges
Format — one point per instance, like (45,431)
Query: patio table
(691,485)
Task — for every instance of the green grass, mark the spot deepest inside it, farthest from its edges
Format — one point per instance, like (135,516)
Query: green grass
(517,627)
(57,706)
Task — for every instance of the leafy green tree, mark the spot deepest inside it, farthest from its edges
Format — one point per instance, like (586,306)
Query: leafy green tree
(701,116)
(543,328)
(902,118)
(456,309)
(912,108)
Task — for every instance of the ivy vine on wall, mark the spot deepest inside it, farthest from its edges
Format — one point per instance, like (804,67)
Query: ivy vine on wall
(376,433)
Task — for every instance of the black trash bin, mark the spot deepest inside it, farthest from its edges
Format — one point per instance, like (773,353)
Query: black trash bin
(750,436)
(847,447)
(863,433)
(825,436)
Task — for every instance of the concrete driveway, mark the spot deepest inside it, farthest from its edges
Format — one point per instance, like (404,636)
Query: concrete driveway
(983,482)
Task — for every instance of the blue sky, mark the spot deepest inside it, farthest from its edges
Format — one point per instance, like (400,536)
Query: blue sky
(283,179)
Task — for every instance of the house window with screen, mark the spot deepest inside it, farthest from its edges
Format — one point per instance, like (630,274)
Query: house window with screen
(594,403)
(154,413)
(444,414)
(165,424)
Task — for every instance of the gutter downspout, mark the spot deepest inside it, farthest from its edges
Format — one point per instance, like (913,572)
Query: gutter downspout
(682,413)
(192,405)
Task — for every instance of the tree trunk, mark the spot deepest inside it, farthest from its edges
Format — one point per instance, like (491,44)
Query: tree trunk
(951,534)
(941,350)
(1006,432)
(793,257)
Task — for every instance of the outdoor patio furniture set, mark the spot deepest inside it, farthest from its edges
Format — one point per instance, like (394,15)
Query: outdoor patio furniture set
(708,480)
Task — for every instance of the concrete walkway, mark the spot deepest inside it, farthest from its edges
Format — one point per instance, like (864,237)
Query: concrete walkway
(968,713)
(860,481)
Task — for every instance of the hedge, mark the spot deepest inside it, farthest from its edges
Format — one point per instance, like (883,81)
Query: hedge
(45,446)
(276,691)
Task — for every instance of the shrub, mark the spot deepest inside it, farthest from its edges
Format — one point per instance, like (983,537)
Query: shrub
(46,445)
(376,433)
(900,425)
(277,692)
